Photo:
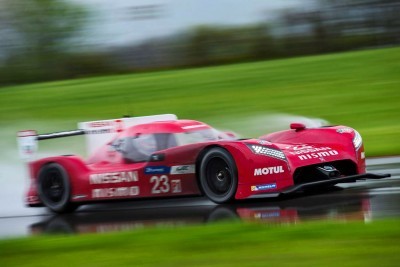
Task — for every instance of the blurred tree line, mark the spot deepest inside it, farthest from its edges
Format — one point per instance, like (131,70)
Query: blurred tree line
(39,39)
(37,42)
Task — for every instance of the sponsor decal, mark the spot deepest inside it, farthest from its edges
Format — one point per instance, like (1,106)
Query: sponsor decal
(362,155)
(268,170)
(113,177)
(263,187)
(156,170)
(98,124)
(105,127)
(320,155)
(299,148)
(27,143)
(100,131)
(344,130)
(328,168)
(161,184)
(115,192)
(176,186)
(306,152)
(183,169)
(307,149)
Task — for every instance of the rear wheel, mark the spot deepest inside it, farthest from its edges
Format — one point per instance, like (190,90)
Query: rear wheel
(54,188)
(218,175)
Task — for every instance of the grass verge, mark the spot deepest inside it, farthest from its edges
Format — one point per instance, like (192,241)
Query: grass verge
(358,89)
(238,244)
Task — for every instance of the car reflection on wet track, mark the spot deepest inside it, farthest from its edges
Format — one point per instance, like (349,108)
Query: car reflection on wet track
(344,208)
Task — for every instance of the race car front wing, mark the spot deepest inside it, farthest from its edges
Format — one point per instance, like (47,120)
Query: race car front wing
(322,183)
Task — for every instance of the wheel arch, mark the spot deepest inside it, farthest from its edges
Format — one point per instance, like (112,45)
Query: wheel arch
(74,167)
(237,152)
(235,155)
(72,164)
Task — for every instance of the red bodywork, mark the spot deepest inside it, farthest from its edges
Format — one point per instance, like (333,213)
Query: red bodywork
(173,171)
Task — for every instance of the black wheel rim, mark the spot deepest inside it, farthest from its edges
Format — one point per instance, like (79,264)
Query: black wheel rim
(218,176)
(53,186)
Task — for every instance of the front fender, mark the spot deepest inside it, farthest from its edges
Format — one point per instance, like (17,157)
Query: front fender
(258,173)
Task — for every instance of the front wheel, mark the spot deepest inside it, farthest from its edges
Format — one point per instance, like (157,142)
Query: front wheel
(54,188)
(218,175)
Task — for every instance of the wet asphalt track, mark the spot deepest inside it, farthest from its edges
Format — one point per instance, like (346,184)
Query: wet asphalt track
(362,201)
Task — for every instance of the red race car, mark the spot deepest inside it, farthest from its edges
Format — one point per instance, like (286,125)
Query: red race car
(161,156)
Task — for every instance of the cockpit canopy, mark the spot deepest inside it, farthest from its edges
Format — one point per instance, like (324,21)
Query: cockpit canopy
(139,142)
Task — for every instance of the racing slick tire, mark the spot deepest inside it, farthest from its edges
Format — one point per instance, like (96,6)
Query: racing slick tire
(218,175)
(54,188)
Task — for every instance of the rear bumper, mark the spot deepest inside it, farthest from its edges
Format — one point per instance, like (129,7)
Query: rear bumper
(329,182)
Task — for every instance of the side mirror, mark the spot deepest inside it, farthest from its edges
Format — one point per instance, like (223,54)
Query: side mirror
(297,126)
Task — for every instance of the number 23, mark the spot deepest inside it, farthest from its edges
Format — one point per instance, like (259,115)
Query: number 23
(161,184)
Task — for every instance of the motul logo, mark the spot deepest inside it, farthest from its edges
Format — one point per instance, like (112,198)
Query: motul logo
(269,170)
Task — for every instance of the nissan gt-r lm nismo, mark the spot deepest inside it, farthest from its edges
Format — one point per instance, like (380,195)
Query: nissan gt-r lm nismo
(160,156)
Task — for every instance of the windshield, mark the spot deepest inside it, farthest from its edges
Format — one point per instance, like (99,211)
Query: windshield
(196,136)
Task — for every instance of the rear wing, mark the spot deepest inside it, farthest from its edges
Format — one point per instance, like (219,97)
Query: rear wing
(97,133)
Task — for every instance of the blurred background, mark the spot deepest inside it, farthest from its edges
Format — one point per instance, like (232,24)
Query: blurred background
(42,40)
(248,66)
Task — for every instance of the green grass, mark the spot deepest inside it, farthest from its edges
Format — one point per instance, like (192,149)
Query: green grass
(238,244)
(358,89)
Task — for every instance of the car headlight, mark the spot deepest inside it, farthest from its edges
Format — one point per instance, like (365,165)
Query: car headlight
(266,151)
(357,140)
